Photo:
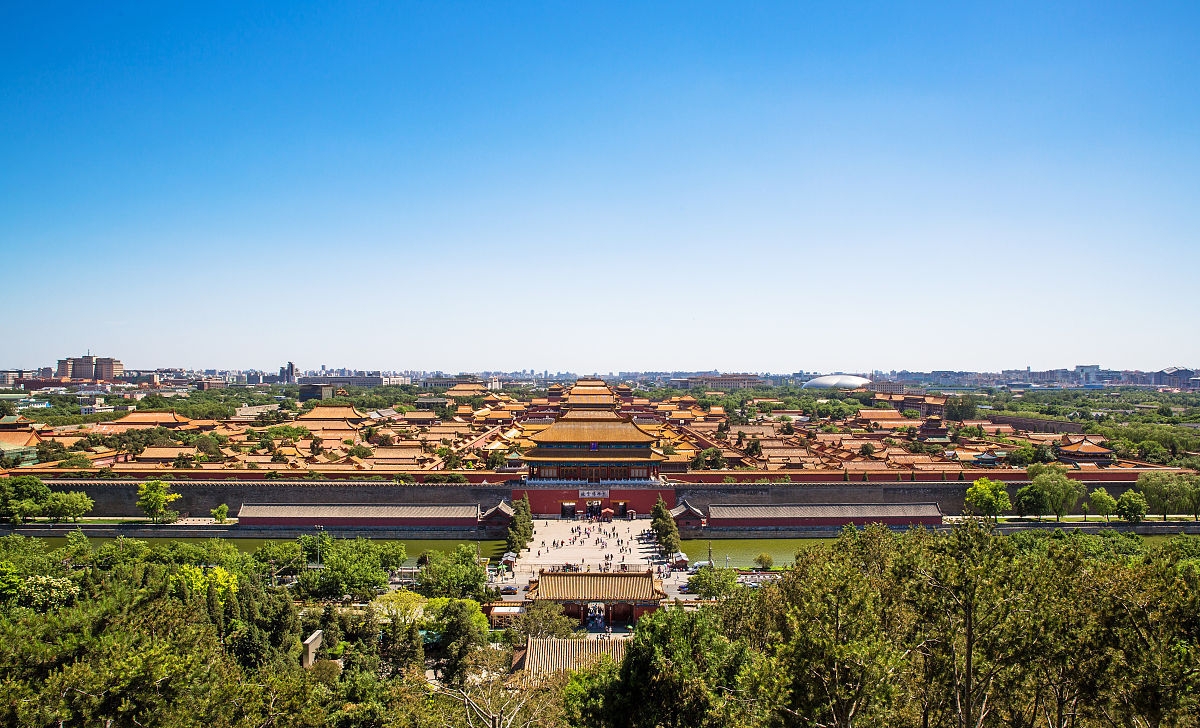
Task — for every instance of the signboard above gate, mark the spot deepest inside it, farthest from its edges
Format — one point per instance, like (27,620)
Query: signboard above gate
(593,493)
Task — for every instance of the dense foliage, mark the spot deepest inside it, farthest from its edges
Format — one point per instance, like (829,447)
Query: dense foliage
(875,629)
(965,629)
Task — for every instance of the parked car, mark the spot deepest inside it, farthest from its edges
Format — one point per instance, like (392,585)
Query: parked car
(508,589)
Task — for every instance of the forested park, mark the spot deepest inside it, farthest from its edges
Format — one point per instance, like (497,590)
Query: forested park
(876,628)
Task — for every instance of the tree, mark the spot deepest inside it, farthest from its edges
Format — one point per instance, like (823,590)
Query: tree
(1132,506)
(1102,503)
(1162,492)
(840,661)
(764,561)
(461,634)
(710,582)
(207,445)
(867,450)
(1021,456)
(21,497)
(220,513)
(457,574)
(708,459)
(1189,493)
(1060,492)
(153,498)
(544,619)
(665,529)
(989,497)
(1031,501)
(49,451)
(683,669)
(960,408)
(360,451)
(61,506)
(911,414)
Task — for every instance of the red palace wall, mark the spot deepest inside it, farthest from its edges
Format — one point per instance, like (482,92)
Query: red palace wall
(548,501)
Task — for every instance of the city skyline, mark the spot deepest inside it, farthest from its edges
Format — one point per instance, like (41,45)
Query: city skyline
(69,368)
(601,188)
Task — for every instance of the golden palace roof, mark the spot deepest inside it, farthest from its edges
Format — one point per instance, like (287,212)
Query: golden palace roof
(601,429)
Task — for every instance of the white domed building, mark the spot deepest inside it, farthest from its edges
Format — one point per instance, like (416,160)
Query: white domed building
(837,381)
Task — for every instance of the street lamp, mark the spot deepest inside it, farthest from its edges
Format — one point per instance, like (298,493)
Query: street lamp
(320,530)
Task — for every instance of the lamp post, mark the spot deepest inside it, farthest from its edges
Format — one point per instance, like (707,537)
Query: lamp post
(320,531)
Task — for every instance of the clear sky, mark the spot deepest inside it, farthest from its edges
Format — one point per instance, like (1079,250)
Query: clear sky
(601,186)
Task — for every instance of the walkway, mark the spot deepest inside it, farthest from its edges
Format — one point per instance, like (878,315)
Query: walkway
(590,546)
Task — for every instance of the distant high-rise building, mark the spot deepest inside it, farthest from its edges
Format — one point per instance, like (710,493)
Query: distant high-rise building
(89,367)
(108,368)
(287,374)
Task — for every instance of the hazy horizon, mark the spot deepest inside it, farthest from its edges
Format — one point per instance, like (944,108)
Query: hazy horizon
(662,187)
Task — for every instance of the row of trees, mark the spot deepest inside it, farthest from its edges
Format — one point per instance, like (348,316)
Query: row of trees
(24,497)
(1051,491)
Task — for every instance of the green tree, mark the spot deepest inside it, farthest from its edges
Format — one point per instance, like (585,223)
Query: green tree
(839,657)
(1102,503)
(764,561)
(461,634)
(710,582)
(544,619)
(1060,492)
(21,497)
(1132,506)
(220,513)
(1162,492)
(360,451)
(962,622)
(61,506)
(664,527)
(682,670)
(1031,501)
(457,574)
(961,408)
(1189,494)
(154,497)
(989,498)
(495,459)
(708,459)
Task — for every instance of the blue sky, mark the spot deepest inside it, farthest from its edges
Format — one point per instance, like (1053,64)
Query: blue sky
(464,186)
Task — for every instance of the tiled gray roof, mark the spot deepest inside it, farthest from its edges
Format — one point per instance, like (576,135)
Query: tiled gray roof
(550,655)
(356,510)
(826,510)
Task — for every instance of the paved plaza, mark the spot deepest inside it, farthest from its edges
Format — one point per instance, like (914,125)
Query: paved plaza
(593,547)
